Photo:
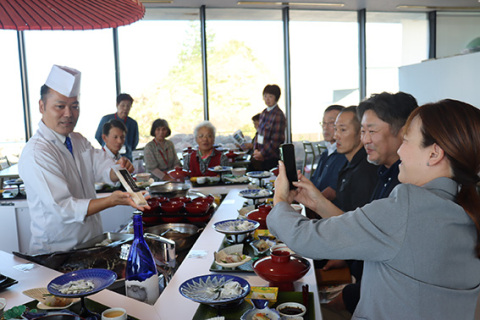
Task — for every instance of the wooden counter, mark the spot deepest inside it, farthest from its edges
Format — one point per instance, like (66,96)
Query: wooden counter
(171,304)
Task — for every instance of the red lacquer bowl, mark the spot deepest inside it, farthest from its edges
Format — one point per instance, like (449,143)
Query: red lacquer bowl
(197,207)
(201,218)
(260,215)
(172,206)
(281,269)
(182,199)
(178,174)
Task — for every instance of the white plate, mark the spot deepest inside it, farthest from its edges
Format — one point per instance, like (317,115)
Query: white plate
(270,313)
(235,249)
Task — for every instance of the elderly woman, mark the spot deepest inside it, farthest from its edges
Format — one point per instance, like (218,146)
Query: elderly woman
(160,154)
(420,245)
(206,156)
(113,134)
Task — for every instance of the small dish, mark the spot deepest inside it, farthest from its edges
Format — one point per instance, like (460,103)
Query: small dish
(232,254)
(219,169)
(262,246)
(291,310)
(47,301)
(281,247)
(267,313)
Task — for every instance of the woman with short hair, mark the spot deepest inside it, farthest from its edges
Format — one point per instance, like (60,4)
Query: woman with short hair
(160,154)
(206,156)
(420,245)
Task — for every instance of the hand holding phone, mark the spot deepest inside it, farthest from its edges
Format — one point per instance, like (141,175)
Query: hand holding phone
(288,157)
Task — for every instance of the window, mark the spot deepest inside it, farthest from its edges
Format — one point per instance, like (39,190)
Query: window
(456,31)
(245,53)
(90,52)
(161,67)
(324,67)
(393,40)
(12,139)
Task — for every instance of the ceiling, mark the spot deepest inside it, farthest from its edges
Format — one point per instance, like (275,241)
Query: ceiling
(349,5)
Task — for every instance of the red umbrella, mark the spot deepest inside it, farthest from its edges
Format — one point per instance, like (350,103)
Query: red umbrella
(68,14)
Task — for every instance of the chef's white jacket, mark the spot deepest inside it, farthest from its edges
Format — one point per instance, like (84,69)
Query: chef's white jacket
(59,187)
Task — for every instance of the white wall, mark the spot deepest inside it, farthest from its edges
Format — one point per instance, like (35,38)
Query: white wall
(456,77)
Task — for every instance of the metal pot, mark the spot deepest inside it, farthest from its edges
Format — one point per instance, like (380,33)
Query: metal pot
(169,189)
(184,234)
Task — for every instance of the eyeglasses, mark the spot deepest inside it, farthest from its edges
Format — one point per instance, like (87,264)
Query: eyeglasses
(327,124)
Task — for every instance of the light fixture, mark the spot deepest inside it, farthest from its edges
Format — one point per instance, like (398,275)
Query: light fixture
(438,8)
(276,3)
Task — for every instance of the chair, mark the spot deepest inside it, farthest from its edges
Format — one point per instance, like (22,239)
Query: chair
(309,152)
(321,147)
(4,163)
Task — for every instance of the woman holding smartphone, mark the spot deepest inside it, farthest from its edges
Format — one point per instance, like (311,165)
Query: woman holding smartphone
(420,245)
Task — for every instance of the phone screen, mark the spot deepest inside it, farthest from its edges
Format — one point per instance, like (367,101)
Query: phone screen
(288,158)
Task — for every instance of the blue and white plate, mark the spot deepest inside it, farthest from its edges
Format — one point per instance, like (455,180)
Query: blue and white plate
(256,193)
(220,169)
(207,289)
(235,226)
(101,279)
(258,174)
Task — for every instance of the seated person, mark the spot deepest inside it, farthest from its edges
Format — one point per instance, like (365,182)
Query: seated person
(113,134)
(248,146)
(206,156)
(325,175)
(124,105)
(160,154)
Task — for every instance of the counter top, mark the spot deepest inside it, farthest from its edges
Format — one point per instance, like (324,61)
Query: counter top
(171,304)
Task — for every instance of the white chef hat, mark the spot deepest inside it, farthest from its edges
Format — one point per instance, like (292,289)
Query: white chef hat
(64,80)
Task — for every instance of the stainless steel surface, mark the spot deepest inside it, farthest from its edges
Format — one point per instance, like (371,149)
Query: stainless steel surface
(114,239)
(183,234)
(169,189)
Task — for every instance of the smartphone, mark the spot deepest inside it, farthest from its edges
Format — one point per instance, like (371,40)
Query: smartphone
(287,153)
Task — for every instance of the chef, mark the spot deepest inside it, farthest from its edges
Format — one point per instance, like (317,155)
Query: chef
(59,168)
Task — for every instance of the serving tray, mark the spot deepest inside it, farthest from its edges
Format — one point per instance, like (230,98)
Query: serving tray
(206,312)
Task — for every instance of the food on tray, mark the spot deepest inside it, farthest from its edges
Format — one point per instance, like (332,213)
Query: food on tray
(218,168)
(262,245)
(264,295)
(77,286)
(260,316)
(229,289)
(104,243)
(241,226)
(230,258)
(54,301)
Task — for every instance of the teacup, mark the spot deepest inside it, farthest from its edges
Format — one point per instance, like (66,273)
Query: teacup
(114,314)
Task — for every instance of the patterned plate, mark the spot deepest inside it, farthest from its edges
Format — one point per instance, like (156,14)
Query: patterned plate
(207,289)
(256,193)
(232,226)
(258,174)
(101,279)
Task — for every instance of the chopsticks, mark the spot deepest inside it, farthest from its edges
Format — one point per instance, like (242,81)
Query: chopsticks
(305,295)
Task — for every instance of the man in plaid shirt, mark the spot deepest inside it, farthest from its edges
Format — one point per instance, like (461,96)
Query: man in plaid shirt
(271,131)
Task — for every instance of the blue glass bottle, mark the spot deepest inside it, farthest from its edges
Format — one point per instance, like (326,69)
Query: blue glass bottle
(141,277)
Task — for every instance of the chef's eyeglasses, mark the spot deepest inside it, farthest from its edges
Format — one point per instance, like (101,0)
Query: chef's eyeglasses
(328,124)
